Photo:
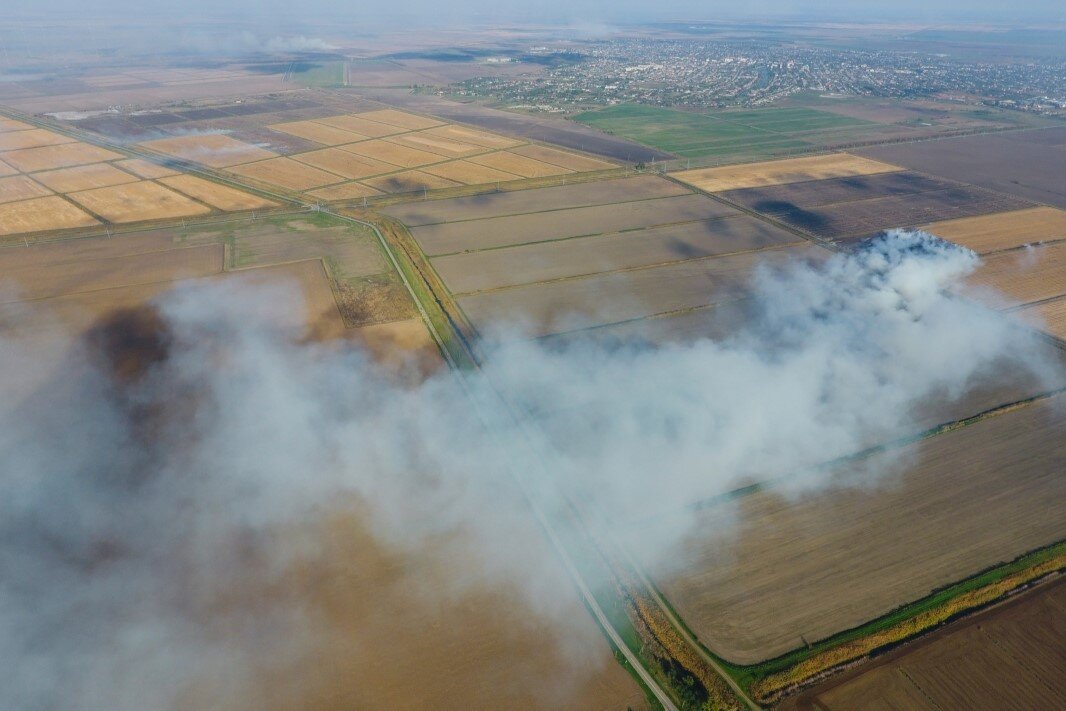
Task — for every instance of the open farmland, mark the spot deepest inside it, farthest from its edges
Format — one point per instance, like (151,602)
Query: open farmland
(811,567)
(1050,315)
(1017,163)
(547,261)
(19,187)
(363,154)
(1022,276)
(759,132)
(864,205)
(779,172)
(41,214)
(84,177)
(1006,230)
(135,202)
(513,230)
(1010,656)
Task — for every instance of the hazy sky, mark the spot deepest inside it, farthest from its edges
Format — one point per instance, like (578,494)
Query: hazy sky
(434,11)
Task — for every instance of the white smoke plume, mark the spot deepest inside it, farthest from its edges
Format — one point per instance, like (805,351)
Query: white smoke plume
(170,460)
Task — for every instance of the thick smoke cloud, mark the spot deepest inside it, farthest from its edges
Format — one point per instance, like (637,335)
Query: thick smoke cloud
(175,457)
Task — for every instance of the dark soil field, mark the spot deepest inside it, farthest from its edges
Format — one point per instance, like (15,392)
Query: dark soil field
(545,261)
(938,511)
(851,207)
(1010,656)
(555,307)
(1022,163)
(499,204)
(560,224)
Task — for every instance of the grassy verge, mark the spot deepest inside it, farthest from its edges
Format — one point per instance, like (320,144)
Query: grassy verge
(768,681)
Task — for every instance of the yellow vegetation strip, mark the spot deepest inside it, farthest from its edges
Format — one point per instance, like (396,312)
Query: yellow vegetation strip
(819,666)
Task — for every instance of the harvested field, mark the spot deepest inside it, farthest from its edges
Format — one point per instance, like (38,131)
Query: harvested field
(41,215)
(559,224)
(13,125)
(397,155)
(828,562)
(344,163)
(777,172)
(470,135)
(402,119)
(602,299)
(347,191)
(136,202)
(523,201)
(361,126)
(408,182)
(84,177)
(6,169)
(435,144)
(286,173)
(519,165)
(145,169)
(215,150)
(268,244)
(1006,230)
(47,280)
(218,196)
(318,132)
(715,322)
(321,318)
(866,217)
(64,155)
(468,173)
(1010,656)
(33,138)
(1008,162)
(402,344)
(19,187)
(563,159)
(811,194)
(539,262)
(1022,276)
(1051,315)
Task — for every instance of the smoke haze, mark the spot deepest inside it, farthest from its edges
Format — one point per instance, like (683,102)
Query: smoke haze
(169,475)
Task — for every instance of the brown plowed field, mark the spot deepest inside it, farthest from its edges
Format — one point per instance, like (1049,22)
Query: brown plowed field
(558,224)
(393,153)
(286,173)
(33,138)
(519,165)
(216,150)
(318,132)
(564,159)
(1010,656)
(135,202)
(222,197)
(1051,315)
(46,280)
(41,215)
(408,182)
(64,155)
(84,177)
(777,172)
(1022,276)
(991,233)
(495,268)
(344,163)
(620,296)
(827,562)
(19,187)
(523,201)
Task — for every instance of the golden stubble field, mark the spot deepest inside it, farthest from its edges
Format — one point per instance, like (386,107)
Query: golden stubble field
(778,172)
